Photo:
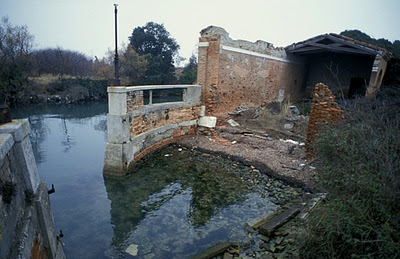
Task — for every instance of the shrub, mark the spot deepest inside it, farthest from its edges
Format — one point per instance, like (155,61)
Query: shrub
(359,166)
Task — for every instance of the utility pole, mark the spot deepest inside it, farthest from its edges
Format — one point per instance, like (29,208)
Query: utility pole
(116,59)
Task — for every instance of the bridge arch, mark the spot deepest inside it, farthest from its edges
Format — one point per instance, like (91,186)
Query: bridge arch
(137,123)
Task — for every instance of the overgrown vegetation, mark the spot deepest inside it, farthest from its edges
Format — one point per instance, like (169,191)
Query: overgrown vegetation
(393,47)
(359,166)
(7,191)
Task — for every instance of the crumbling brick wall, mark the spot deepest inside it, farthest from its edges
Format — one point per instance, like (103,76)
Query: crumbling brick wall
(134,100)
(240,73)
(156,119)
(324,111)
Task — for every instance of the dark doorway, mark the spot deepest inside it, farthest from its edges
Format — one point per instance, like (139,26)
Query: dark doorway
(358,87)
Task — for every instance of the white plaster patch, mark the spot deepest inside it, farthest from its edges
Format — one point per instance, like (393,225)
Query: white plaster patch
(256,54)
(203,44)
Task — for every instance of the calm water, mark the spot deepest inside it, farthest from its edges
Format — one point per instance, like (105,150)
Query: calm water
(174,204)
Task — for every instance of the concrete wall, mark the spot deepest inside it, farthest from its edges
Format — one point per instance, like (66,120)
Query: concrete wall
(378,71)
(240,73)
(135,129)
(26,221)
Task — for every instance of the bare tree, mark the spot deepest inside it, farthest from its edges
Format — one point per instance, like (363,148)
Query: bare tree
(16,61)
(334,73)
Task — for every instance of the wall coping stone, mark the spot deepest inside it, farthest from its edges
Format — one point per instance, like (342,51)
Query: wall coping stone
(125,89)
(6,143)
(18,128)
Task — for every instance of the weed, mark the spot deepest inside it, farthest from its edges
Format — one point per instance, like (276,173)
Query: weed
(29,197)
(359,166)
(7,191)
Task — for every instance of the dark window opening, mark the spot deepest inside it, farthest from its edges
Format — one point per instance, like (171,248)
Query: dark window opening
(358,87)
(163,96)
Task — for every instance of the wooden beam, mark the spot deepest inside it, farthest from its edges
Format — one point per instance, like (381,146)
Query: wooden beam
(341,49)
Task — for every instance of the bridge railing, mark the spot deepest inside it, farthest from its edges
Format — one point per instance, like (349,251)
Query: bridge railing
(124,99)
(143,118)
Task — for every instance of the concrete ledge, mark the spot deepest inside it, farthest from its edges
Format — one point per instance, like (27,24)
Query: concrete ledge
(6,143)
(156,87)
(18,128)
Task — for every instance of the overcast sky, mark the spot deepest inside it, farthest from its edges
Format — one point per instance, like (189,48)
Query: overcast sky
(88,25)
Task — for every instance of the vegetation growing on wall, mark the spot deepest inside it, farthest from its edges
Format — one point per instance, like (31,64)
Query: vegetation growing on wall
(359,167)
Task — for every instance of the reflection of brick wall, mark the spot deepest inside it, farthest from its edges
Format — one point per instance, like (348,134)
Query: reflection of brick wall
(324,111)
(152,120)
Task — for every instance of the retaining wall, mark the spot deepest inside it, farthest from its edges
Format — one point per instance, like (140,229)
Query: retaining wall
(135,129)
(26,221)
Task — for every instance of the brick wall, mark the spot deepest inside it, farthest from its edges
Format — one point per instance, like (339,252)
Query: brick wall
(324,111)
(156,119)
(239,73)
(134,100)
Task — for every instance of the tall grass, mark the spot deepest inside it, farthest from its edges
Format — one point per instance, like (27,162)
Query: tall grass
(359,166)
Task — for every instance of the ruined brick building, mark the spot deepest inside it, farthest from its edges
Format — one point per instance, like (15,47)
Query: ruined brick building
(240,73)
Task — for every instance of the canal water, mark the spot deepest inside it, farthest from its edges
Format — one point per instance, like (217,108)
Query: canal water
(174,204)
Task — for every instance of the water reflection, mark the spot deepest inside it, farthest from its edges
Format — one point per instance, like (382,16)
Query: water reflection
(70,111)
(39,131)
(173,205)
(68,143)
(68,115)
(176,203)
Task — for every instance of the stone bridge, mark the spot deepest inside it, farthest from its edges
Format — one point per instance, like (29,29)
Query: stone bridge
(141,119)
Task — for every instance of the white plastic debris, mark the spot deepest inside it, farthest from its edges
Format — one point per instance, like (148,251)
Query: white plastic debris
(233,123)
(291,141)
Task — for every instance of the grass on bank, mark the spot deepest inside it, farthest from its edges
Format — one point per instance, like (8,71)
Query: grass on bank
(359,166)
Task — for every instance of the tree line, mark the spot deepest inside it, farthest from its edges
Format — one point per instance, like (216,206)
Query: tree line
(148,59)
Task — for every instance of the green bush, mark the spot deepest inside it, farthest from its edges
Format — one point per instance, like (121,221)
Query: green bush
(359,166)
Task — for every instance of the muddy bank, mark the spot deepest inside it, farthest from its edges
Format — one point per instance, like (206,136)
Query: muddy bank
(59,91)
(278,157)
